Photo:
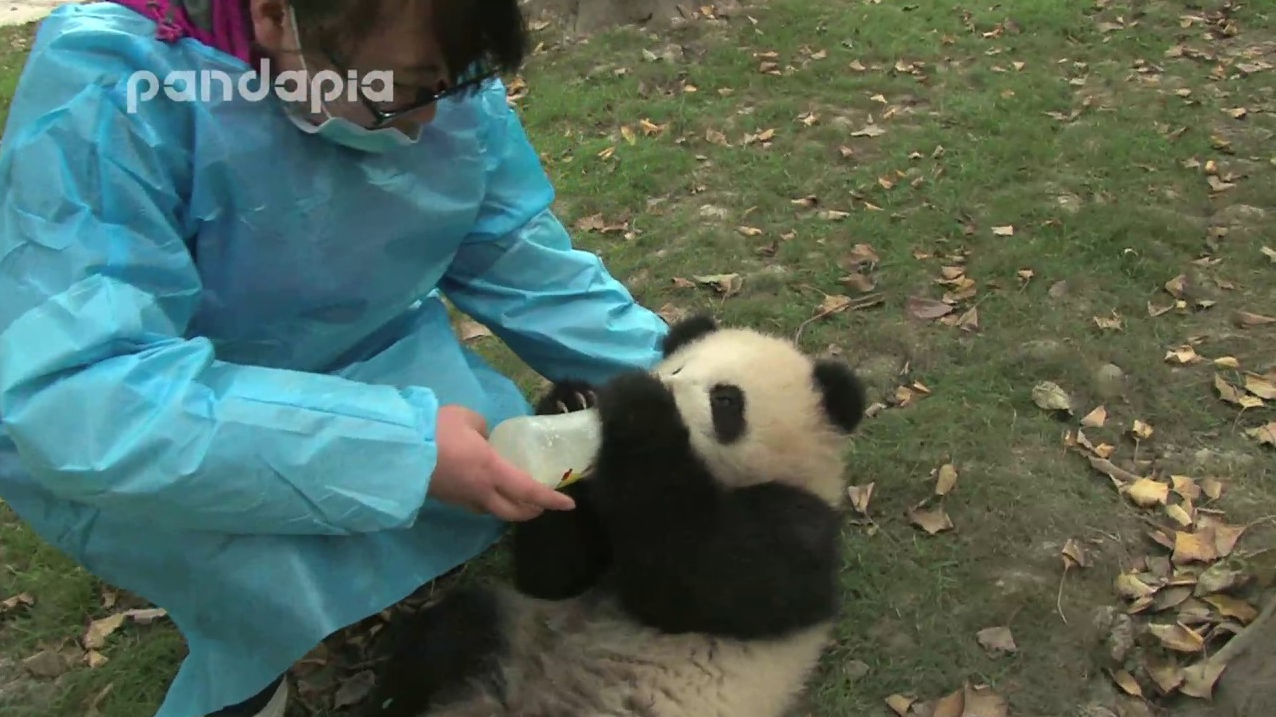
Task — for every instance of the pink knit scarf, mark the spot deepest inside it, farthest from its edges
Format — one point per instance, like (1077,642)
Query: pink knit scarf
(220,24)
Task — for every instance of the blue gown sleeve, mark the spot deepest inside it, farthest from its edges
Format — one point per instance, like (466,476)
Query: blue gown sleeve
(517,273)
(108,401)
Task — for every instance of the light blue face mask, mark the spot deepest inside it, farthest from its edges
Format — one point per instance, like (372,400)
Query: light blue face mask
(341,130)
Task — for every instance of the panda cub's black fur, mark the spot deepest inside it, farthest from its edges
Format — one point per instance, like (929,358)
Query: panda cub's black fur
(697,576)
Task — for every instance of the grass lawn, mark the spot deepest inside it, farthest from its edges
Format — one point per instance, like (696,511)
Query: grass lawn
(973,199)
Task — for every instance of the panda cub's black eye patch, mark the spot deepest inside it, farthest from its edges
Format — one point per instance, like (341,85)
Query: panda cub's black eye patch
(726,403)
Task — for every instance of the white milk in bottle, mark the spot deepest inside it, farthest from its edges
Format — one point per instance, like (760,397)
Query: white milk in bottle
(555,449)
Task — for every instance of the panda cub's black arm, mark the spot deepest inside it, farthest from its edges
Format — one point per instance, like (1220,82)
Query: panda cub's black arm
(560,554)
(762,562)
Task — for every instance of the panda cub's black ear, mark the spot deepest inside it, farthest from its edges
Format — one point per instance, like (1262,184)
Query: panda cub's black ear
(843,394)
(688,330)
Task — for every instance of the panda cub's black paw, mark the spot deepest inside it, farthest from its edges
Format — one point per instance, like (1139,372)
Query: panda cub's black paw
(635,407)
(567,397)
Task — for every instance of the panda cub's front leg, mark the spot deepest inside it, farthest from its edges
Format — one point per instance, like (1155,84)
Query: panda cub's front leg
(567,396)
(646,461)
(560,554)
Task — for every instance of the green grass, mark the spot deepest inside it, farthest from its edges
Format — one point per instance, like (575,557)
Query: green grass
(1108,202)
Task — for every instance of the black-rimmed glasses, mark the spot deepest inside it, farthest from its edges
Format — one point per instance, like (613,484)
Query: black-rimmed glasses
(424,97)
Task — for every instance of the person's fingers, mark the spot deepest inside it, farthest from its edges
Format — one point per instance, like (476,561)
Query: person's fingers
(518,486)
(476,421)
(470,418)
(523,489)
(505,509)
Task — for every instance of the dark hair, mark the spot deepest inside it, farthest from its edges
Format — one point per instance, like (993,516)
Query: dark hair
(483,35)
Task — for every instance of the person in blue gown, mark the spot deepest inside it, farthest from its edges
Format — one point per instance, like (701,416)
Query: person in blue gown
(228,381)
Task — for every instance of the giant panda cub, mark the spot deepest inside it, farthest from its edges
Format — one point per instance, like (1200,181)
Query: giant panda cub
(697,575)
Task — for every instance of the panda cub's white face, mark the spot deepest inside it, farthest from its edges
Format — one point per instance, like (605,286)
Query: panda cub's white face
(754,412)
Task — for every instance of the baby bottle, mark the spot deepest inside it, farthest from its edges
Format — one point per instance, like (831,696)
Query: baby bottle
(556,449)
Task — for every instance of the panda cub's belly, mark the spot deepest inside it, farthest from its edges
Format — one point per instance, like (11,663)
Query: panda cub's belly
(582,658)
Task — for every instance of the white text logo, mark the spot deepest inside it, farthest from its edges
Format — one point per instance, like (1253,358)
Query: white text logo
(289,86)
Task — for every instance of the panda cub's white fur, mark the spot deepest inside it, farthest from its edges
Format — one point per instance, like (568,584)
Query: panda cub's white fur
(697,576)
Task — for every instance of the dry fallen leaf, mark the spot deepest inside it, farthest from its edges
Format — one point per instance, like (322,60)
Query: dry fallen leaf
(146,616)
(1212,487)
(872,130)
(1234,395)
(1183,355)
(1130,587)
(1179,515)
(1225,537)
(1166,674)
(1141,430)
(997,640)
(1146,492)
(1219,577)
(1249,320)
(859,255)
(1178,637)
(1229,606)
(1265,434)
(932,520)
(725,284)
(947,479)
(833,303)
(1095,418)
(1112,323)
(671,314)
(981,701)
(1186,487)
(860,495)
(1199,679)
(1073,555)
(859,282)
(1170,598)
(926,309)
(1118,474)
(950,705)
(1199,546)
(99,630)
(900,704)
(1127,683)
(1260,386)
(1049,396)
(19,600)
(1177,287)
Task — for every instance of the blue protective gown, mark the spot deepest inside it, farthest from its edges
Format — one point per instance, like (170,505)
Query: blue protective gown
(222,346)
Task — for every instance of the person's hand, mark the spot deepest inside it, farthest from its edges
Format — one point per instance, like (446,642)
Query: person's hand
(470,474)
